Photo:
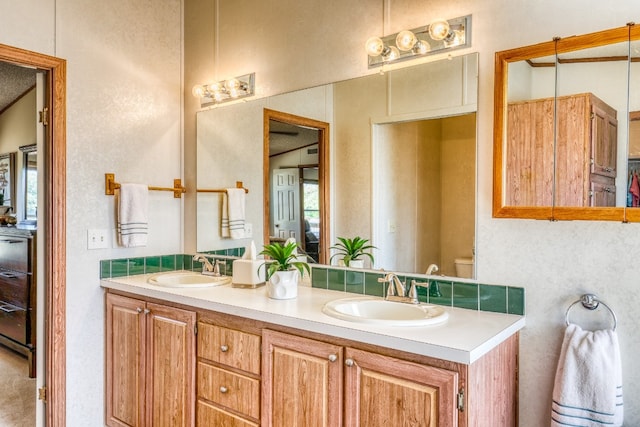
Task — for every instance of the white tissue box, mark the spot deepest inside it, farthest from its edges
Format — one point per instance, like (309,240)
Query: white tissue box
(248,273)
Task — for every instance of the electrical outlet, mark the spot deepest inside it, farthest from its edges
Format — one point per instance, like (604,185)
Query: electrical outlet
(391,227)
(248,229)
(97,238)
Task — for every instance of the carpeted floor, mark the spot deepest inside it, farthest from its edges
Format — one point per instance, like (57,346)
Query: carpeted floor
(17,391)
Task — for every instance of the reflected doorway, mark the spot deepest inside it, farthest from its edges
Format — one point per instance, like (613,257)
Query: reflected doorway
(424,193)
(296,182)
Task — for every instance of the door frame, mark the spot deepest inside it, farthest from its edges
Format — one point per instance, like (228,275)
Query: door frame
(54,238)
(323,173)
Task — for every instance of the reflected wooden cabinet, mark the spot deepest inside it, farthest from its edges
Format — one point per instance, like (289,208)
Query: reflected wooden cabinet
(150,363)
(584,155)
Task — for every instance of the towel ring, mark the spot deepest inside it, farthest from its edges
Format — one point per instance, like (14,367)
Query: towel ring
(591,302)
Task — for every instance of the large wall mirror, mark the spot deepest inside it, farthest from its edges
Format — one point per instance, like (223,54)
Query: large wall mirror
(564,118)
(400,160)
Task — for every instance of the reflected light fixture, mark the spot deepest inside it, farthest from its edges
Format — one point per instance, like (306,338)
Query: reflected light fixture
(225,90)
(440,35)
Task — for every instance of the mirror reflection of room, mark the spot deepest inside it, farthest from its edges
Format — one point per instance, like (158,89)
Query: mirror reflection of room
(445,228)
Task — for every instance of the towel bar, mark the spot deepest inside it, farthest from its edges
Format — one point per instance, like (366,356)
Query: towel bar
(110,185)
(591,302)
(239,184)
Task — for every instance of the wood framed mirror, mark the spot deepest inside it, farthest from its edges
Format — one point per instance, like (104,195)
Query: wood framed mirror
(561,116)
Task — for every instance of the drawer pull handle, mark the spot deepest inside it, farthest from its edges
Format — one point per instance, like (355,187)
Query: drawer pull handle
(333,358)
(146,311)
(224,348)
(138,309)
(223,389)
(11,241)
(9,275)
(349,362)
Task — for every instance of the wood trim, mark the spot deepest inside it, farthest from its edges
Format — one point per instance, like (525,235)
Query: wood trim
(502,60)
(323,173)
(55,219)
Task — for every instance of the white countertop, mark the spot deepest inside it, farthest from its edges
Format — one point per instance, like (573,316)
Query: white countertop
(464,337)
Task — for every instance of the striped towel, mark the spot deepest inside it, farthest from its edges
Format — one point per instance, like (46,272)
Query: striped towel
(588,385)
(132,215)
(232,222)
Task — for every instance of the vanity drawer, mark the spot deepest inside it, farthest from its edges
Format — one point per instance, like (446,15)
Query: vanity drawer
(13,322)
(14,253)
(230,347)
(209,415)
(234,391)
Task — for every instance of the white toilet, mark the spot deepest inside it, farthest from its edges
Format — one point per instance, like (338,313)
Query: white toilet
(464,267)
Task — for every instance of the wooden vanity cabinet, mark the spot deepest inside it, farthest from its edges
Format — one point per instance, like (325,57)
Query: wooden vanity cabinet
(584,158)
(302,381)
(150,364)
(228,376)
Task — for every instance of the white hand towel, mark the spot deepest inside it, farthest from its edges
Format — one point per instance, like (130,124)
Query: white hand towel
(232,221)
(132,215)
(588,384)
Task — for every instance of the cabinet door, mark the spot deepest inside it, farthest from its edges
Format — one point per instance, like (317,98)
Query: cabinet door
(125,342)
(170,385)
(302,381)
(604,141)
(384,391)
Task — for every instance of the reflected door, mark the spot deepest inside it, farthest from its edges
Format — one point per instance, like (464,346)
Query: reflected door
(286,203)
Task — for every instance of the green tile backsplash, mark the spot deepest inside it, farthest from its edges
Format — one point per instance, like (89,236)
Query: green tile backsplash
(462,294)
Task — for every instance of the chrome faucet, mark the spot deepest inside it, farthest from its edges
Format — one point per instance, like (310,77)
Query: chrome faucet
(397,292)
(207,268)
(395,287)
(432,269)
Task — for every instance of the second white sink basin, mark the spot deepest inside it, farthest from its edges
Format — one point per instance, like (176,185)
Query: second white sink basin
(187,279)
(388,313)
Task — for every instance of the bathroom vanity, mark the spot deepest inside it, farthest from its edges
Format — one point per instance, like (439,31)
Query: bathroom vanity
(229,356)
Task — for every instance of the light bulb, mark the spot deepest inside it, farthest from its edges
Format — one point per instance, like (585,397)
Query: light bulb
(374,46)
(405,40)
(455,38)
(198,91)
(232,85)
(439,29)
(390,53)
(421,47)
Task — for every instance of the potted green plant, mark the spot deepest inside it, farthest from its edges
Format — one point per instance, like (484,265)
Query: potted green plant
(283,269)
(350,251)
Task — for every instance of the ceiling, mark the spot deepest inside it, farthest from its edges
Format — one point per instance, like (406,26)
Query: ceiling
(285,137)
(14,81)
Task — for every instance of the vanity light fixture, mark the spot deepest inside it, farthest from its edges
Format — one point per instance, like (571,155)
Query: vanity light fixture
(437,37)
(225,90)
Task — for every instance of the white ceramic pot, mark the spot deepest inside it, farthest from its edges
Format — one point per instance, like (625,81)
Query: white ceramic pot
(283,284)
(354,263)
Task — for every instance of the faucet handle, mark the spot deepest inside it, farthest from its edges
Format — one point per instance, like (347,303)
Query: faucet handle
(413,292)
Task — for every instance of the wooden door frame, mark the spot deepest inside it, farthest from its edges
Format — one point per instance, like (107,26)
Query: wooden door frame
(323,173)
(54,238)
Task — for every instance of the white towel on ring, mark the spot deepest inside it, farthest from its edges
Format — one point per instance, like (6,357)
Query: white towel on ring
(232,220)
(132,224)
(588,384)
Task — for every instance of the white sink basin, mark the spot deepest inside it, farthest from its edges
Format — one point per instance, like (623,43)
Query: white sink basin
(388,313)
(187,279)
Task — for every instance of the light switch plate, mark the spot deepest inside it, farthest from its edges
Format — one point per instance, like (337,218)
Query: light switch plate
(97,238)
(248,229)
